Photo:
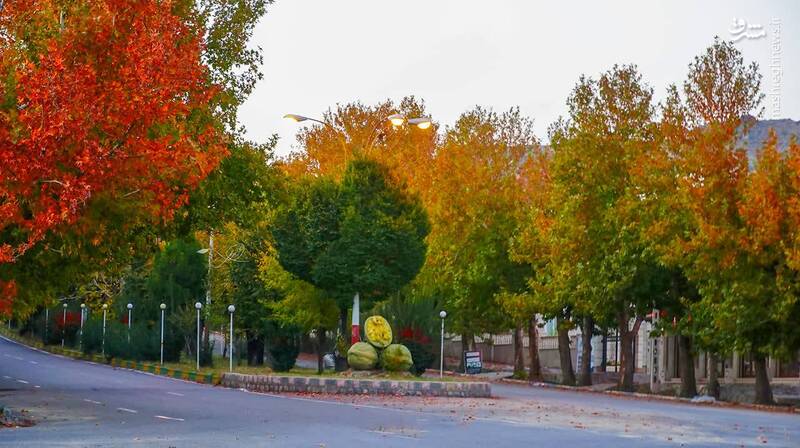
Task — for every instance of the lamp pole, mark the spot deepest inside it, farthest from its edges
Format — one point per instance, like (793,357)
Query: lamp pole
(396,120)
(83,317)
(442,314)
(163,307)
(198,306)
(130,309)
(63,324)
(231,309)
(105,311)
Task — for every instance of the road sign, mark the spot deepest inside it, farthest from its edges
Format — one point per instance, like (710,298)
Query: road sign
(472,362)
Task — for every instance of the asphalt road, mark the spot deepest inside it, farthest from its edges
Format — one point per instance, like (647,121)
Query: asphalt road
(77,403)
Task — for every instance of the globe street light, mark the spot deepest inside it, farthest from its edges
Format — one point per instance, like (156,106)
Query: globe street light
(105,311)
(442,314)
(231,309)
(163,307)
(83,317)
(130,309)
(63,324)
(198,306)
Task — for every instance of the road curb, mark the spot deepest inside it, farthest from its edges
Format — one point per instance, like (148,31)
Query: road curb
(642,396)
(155,369)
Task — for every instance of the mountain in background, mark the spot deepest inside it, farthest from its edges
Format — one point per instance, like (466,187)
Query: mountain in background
(785,128)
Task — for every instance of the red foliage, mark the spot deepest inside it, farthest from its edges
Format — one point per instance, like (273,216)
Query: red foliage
(73,319)
(8,290)
(414,334)
(98,96)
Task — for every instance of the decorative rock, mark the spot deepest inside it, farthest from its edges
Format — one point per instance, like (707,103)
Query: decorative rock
(396,358)
(378,330)
(362,356)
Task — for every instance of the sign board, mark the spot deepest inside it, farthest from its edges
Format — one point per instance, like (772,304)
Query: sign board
(472,362)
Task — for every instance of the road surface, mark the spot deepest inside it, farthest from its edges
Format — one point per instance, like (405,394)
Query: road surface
(77,403)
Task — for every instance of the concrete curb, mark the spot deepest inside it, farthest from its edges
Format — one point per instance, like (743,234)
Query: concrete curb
(642,396)
(356,386)
(155,369)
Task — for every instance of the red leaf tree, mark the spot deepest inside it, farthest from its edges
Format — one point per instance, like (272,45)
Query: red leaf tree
(98,96)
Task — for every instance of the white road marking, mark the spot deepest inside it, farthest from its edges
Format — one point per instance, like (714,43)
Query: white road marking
(6,355)
(37,386)
(6,377)
(393,434)
(22,381)
(132,411)
(91,401)
(175,393)
(17,358)
(164,417)
(33,362)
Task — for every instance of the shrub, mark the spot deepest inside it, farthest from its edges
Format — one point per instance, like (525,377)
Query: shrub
(283,355)
(422,354)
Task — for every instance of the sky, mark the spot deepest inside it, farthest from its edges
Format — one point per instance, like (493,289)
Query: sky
(499,54)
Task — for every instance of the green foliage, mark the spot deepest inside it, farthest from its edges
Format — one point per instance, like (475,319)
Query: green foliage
(363,235)
(178,276)
(283,354)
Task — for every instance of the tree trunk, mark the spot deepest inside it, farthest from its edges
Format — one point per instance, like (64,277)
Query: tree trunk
(627,361)
(343,325)
(535,373)
(585,375)
(519,357)
(713,377)
(467,343)
(565,357)
(255,351)
(688,383)
(763,389)
(321,338)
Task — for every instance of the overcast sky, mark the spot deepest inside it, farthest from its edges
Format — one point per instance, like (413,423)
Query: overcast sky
(499,54)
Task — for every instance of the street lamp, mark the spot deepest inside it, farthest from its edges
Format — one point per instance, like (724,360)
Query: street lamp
(198,306)
(231,309)
(163,307)
(63,324)
(105,311)
(130,309)
(83,317)
(442,314)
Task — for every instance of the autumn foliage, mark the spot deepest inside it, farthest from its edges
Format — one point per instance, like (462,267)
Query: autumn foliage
(98,96)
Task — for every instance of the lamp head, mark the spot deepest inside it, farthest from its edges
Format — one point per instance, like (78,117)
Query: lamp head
(396,119)
(83,305)
(105,306)
(231,308)
(64,305)
(163,306)
(421,122)
(130,306)
(443,314)
(198,305)
(294,117)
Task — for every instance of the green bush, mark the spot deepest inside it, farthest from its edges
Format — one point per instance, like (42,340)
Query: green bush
(422,354)
(283,355)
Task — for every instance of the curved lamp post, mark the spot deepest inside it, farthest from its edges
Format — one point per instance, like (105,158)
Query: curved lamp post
(231,309)
(442,314)
(396,120)
(198,306)
(163,307)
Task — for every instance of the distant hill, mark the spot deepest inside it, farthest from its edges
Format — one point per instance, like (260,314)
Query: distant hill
(759,132)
